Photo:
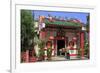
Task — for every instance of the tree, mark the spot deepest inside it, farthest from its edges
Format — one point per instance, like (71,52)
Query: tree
(27,29)
(87,24)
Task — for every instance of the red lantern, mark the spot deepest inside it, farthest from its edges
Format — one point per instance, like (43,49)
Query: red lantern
(74,38)
(51,37)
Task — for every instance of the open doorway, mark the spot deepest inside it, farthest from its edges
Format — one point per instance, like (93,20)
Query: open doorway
(60,45)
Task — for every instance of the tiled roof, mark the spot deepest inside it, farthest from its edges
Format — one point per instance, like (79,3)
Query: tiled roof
(65,23)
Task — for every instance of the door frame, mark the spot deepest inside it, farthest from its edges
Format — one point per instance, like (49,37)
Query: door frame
(55,43)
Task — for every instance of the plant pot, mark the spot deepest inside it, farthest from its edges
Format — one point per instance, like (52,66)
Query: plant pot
(49,58)
(41,58)
(33,59)
(25,56)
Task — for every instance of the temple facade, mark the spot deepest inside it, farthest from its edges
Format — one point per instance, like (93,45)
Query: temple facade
(60,33)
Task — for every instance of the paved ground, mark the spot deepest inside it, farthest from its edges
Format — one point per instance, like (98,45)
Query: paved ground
(59,58)
(62,58)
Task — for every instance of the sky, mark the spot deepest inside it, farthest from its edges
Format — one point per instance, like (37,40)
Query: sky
(78,15)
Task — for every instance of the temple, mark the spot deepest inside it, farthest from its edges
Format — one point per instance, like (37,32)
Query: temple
(60,32)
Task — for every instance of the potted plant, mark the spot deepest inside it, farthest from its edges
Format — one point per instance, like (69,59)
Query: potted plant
(41,55)
(79,52)
(41,45)
(86,50)
(49,53)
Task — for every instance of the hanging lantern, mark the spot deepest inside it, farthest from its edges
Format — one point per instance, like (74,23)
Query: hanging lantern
(74,38)
(62,37)
(51,37)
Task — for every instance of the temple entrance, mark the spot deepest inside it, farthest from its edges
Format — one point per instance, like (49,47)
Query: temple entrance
(60,45)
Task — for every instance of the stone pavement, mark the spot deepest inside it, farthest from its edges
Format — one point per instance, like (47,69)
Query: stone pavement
(63,58)
(58,58)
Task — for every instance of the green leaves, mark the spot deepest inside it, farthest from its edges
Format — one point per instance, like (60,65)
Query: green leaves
(41,44)
(49,52)
(88,23)
(27,29)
